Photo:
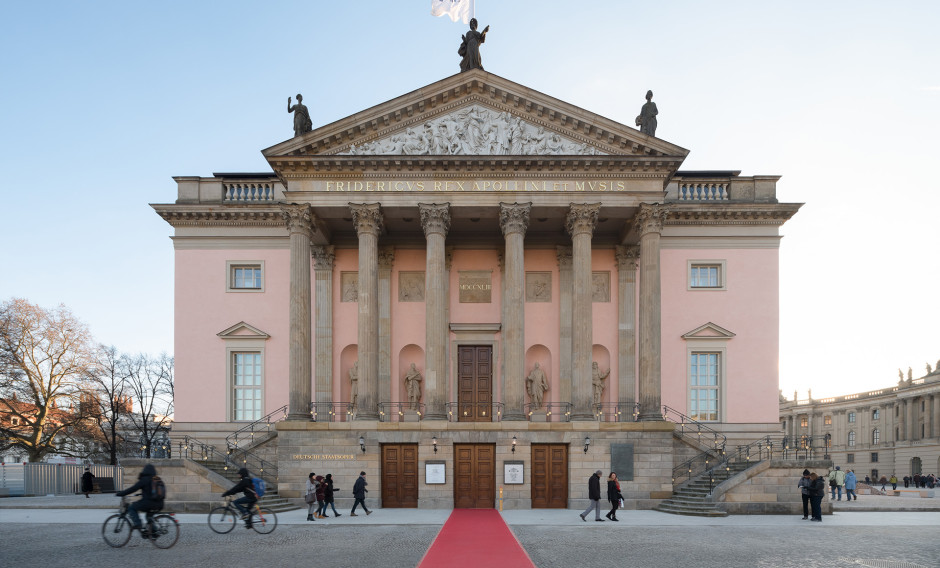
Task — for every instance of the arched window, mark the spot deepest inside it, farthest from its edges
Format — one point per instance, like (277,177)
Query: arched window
(875,436)
(851,438)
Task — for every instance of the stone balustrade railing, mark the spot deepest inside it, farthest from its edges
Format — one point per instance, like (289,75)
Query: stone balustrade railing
(703,192)
(247,192)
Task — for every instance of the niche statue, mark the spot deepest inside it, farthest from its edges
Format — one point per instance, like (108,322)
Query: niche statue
(470,47)
(597,380)
(536,384)
(413,385)
(354,386)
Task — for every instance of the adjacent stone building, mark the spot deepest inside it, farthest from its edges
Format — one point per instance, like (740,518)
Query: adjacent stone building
(476,228)
(894,430)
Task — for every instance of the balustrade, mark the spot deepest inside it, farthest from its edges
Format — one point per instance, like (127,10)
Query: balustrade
(247,192)
(704,192)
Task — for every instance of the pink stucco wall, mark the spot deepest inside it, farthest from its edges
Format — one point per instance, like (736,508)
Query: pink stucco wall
(748,308)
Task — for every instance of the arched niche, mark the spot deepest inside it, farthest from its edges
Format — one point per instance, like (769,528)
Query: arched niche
(347,358)
(601,356)
(409,354)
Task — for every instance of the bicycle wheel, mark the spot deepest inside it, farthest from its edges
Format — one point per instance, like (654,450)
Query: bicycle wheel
(116,531)
(165,531)
(264,520)
(222,520)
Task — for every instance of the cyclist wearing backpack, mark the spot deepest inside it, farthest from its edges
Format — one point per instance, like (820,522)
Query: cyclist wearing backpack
(152,490)
(246,486)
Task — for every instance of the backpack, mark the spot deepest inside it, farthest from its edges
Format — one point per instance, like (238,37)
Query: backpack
(158,488)
(259,486)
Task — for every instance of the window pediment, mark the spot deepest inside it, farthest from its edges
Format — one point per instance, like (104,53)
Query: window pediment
(708,331)
(242,330)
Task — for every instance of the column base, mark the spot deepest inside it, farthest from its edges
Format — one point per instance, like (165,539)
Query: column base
(299,417)
(514,417)
(650,417)
(583,417)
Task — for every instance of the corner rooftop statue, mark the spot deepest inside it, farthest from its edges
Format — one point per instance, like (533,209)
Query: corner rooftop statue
(470,47)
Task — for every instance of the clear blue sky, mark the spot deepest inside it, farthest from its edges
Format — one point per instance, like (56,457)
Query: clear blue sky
(102,102)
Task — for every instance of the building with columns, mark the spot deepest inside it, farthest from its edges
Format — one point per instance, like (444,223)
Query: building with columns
(477,230)
(894,430)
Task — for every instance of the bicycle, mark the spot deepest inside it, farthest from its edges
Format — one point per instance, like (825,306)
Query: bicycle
(222,519)
(161,529)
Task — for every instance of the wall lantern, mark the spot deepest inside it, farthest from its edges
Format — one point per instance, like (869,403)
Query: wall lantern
(514,444)
(587,443)
(434,443)
(362,444)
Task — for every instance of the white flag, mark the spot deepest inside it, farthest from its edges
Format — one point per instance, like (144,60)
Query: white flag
(456,9)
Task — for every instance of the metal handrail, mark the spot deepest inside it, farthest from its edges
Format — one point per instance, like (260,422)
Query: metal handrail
(199,451)
(388,410)
(331,411)
(455,410)
(550,409)
(250,429)
(609,412)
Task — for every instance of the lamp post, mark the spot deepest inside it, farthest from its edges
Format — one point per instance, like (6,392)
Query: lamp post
(828,441)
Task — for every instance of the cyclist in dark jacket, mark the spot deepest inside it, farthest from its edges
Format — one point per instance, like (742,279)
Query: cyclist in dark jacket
(249,499)
(148,502)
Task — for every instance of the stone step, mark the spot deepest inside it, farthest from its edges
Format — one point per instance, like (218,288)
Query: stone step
(663,508)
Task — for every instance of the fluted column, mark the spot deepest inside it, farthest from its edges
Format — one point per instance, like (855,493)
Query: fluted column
(368,221)
(323,257)
(435,220)
(582,218)
(909,434)
(563,254)
(300,225)
(386,258)
(649,224)
(514,221)
(935,416)
(626,301)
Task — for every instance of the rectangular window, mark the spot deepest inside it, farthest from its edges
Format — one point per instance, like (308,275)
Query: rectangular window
(827,420)
(875,437)
(246,380)
(851,417)
(874,457)
(245,276)
(875,414)
(703,373)
(706,274)
(849,458)
(852,439)
(804,422)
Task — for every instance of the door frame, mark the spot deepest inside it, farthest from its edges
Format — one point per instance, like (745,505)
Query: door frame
(470,334)
(567,484)
(492,446)
(382,472)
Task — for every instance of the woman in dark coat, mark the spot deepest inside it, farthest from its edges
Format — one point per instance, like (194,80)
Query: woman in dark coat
(817,490)
(328,495)
(613,495)
(88,482)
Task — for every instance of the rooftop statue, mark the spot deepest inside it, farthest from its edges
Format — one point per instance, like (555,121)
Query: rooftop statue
(302,122)
(470,47)
(647,119)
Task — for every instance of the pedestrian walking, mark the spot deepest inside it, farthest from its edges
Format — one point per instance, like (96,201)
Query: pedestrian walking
(310,497)
(836,481)
(850,484)
(88,482)
(359,492)
(613,495)
(806,486)
(321,498)
(328,492)
(894,481)
(817,492)
(594,494)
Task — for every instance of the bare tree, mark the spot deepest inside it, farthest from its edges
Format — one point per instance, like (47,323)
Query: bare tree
(150,384)
(108,400)
(44,359)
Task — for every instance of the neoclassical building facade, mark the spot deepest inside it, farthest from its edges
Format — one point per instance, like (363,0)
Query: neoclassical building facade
(894,430)
(404,278)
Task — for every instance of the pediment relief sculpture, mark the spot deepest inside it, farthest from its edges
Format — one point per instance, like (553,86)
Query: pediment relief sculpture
(475,130)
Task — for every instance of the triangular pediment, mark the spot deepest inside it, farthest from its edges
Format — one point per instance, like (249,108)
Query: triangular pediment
(242,330)
(475,113)
(708,331)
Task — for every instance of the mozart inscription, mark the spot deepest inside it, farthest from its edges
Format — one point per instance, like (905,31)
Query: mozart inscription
(475,286)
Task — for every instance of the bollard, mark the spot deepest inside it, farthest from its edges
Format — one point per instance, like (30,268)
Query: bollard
(500,499)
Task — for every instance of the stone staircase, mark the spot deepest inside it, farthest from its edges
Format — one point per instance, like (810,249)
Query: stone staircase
(271,498)
(695,499)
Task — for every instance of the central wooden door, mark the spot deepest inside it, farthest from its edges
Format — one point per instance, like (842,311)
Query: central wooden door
(399,475)
(475,476)
(475,383)
(549,476)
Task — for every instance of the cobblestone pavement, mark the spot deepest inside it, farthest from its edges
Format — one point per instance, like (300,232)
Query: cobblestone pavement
(792,543)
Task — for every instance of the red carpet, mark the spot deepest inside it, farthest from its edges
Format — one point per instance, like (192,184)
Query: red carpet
(475,538)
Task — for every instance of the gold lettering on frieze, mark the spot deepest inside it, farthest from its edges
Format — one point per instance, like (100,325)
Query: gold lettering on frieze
(484,186)
(323,456)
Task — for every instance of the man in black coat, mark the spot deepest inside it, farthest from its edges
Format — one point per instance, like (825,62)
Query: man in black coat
(148,501)
(246,502)
(359,492)
(594,494)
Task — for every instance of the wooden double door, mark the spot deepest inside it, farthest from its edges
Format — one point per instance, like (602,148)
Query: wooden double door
(474,476)
(549,476)
(475,383)
(400,476)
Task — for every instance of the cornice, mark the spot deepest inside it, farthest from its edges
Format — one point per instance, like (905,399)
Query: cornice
(209,216)
(731,214)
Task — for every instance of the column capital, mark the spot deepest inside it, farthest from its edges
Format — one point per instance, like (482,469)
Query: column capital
(386,257)
(299,218)
(650,218)
(582,218)
(514,217)
(367,218)
(563,254)
(323,257)
(435,218)
(627,257)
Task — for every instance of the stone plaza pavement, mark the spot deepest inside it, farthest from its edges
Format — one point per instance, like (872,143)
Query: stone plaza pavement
(891,532)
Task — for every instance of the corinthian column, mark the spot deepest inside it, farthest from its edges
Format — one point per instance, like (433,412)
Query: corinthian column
(514,220)
(626,301)
(435,220)
(649,224)
(368,221)
(563,254)
(582,218)
(323,258)
(300,225)
(386,257)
